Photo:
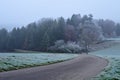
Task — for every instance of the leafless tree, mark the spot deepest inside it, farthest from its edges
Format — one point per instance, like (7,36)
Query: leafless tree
(89,34)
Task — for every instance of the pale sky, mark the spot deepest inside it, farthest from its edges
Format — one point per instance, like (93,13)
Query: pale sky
(22,12)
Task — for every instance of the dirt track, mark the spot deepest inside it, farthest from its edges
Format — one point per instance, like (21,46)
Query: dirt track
(81,68)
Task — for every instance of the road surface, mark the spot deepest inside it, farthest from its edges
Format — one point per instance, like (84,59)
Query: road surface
(83,67)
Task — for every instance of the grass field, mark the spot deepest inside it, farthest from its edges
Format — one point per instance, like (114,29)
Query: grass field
(14,61)
(112,71)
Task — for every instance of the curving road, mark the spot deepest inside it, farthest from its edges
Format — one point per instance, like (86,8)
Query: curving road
(81,68)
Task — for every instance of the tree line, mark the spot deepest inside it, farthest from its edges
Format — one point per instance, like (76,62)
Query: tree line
(58,35)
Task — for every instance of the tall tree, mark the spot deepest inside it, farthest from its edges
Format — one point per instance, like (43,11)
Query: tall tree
(90,34)
(108,27)
(13,40)
(3,39)
(75,19)
(60,29)
(118,29)
(70,33)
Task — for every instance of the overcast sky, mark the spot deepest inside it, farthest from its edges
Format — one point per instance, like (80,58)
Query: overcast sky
(22,12)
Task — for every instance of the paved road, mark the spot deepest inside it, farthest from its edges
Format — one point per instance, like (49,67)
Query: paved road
(81,68)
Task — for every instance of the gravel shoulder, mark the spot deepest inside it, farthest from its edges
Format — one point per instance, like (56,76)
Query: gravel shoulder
(83,67)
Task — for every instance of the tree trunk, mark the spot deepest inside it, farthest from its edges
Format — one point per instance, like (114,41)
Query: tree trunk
(86,48)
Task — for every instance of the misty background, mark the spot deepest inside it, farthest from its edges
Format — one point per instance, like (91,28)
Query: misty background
(16,13)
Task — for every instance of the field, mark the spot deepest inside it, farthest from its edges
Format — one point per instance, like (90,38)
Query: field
(112,71)
(14,61)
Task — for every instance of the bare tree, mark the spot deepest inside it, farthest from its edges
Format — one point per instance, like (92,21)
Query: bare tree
(70,34)
(89,34)
(108,27)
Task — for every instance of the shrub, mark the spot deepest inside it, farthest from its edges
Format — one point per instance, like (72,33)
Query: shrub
(69,47)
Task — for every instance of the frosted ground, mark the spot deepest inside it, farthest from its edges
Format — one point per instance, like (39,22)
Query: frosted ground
(13,61)
(112,71)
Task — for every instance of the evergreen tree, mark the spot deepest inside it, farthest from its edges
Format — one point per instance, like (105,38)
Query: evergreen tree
(118,29)
(3,39)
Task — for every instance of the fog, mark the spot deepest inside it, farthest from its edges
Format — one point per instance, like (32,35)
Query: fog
(22,12)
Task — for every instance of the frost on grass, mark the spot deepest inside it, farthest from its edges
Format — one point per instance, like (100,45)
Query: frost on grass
(12,61)
(112,71)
